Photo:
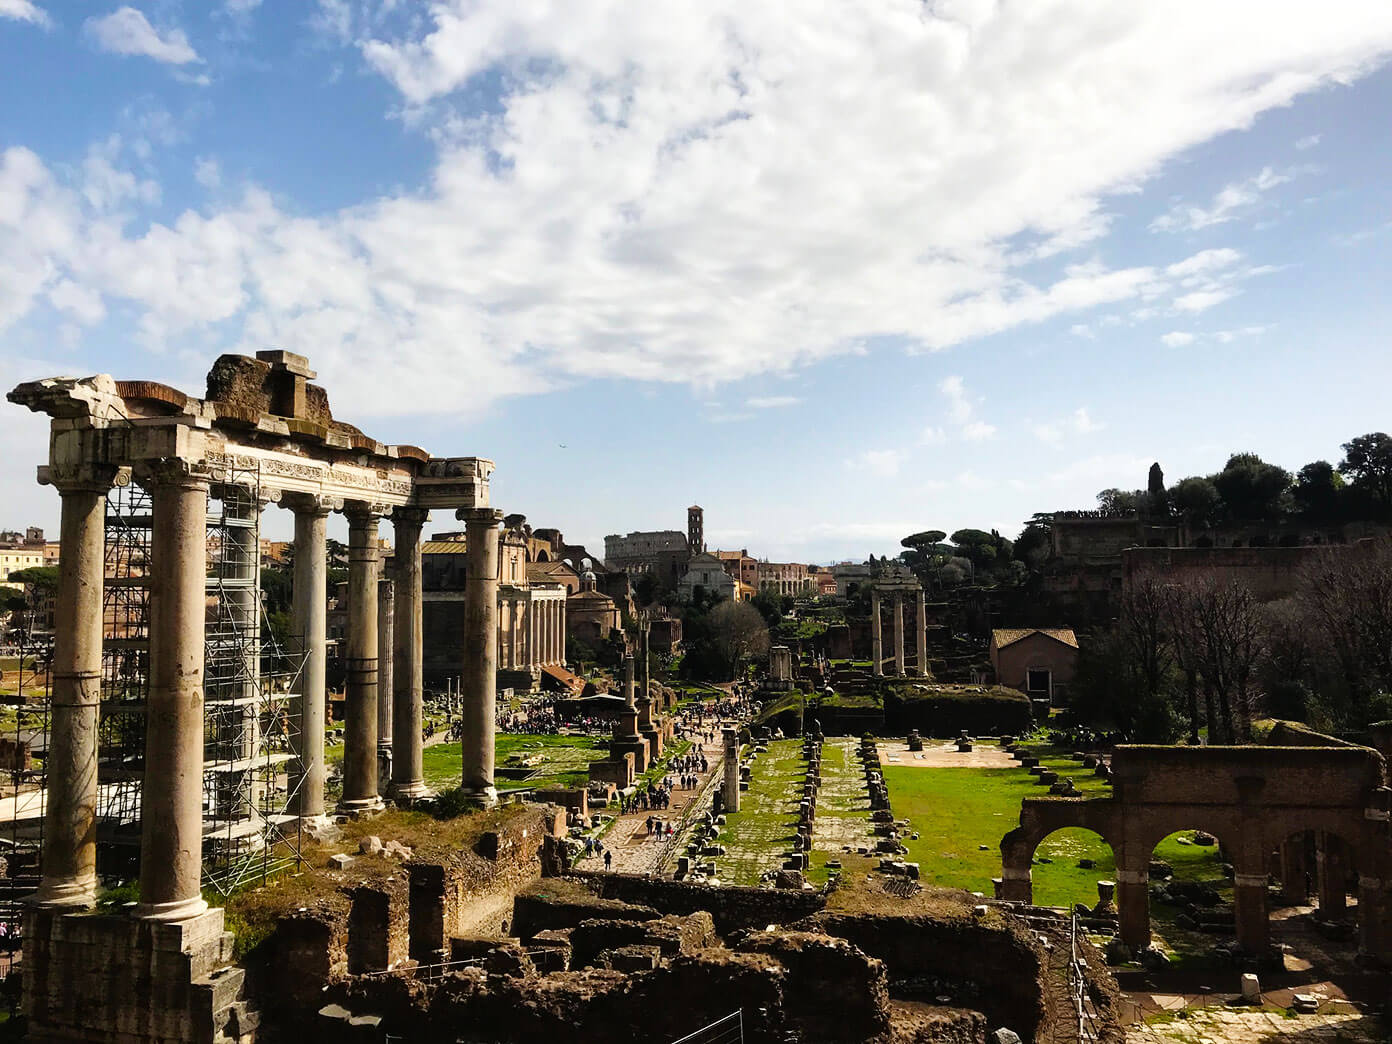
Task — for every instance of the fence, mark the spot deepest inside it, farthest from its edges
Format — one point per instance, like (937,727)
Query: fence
(729,1030)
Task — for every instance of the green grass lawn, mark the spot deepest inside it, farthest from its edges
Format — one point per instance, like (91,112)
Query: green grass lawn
(565,761)
(957,810)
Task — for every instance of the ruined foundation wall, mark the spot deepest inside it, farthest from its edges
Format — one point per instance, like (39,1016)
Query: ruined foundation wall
(733,909)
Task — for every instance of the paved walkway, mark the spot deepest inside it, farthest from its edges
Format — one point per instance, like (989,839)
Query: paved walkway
(936,754)
(634,851)
(1245,1026)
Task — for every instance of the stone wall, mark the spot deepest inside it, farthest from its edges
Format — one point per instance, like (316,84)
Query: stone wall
(733,909)
(1270,572)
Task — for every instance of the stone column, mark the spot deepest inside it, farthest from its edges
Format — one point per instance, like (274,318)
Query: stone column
(644,662)
(628,682)
(309,619)
(360,661)
(70,817)
(480,652)
(386,646)
(1294,867)
(1249,908)
(171,821)
(1133,907)
(922,635)
(408,673)
(898,634)
(1374,910)
(1333,876)
(731,794)
(876,635)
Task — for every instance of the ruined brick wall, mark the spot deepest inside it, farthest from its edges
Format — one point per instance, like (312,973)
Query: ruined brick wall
(733,909)
(994,968)
(1270,572)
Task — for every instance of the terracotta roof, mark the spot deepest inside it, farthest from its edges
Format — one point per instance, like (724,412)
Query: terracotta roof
(444,547)
(590,596)
(570,681)
(1009,636)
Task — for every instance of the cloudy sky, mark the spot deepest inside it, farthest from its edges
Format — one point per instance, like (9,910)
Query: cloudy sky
(837,271)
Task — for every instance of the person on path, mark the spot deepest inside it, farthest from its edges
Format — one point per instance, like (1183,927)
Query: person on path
(608,859)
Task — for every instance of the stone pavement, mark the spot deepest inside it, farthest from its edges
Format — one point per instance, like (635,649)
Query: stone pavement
(937,754)
(1247,1026)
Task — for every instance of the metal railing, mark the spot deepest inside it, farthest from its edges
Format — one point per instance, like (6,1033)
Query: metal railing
(729,1030)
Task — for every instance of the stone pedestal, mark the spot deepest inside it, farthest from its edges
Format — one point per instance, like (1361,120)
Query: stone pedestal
(360,698)
(1015,886)
(480,652)
(171,822)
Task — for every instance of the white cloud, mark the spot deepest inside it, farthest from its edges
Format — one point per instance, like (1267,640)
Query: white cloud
(240,7)
(1228,336)
(1079,422)
(1202,300)
(883,463)
(1307,142)
(770,402)
(24,11)
(1204,262)
(961,411)
(932,436)
(976,431)
(1231,202)
(207,173)
(1082,330)
(1177,339)
(1083,423)
(127,31)
(641,201)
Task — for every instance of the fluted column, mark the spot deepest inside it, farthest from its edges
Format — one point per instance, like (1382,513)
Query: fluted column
(922,635)
(644,663)
(480,652)
(876,636)
(898,634)
(360,697)
(70,815)
(309,619)
(171,821)
(408,716)
(386,643)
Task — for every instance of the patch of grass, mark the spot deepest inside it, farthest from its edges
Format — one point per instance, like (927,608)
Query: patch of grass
(756,836)
(565,760)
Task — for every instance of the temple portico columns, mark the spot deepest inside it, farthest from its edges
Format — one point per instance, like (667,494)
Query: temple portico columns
(876,635)
(309,619)
(408,685)
(360,661)
(386,644)
(70,818)
(898,634)
(922,634)
(480,651)
(171,822)
(1133,906)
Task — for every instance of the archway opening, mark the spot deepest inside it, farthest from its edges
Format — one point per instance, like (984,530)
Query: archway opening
(1192,895)
(1067,865)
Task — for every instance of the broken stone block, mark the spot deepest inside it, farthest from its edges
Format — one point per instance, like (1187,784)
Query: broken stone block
(370,845)
(341,861)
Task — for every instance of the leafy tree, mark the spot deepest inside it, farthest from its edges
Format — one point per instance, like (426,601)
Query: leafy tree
(1033,544)
(1251,488)
(770,606)
(1120,501)
(1197,499)
(1157,499)
(44,578)
(1318,492)
(982,549)
(1368,463)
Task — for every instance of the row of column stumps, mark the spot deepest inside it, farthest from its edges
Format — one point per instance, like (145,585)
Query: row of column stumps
(877,637)
(172,793)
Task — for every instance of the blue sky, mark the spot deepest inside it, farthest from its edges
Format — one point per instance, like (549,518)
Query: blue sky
(835,272)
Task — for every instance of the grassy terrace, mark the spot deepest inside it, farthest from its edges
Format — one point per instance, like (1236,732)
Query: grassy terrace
(758,834)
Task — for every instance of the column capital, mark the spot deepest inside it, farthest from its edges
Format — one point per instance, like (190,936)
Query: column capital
(409,517)
(86,477)
(311,504)
(174,471)
(479,516)
(365,510)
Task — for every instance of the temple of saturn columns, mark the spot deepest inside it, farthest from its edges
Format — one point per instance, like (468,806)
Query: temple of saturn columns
(262,436)
(898,591)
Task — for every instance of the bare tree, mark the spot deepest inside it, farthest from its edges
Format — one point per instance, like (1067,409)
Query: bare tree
(738,633)
(1143,629)
(1346,593)
(1224,637)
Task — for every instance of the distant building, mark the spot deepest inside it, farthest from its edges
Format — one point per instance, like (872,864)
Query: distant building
(643,552)
(785,578)
(1039,661)
(741,565)
(708,573)
(591,615)
(27,550)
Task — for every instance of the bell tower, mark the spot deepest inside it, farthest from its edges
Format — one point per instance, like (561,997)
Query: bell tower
(695,529)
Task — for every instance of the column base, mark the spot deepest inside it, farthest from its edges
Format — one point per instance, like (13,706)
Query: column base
(357,806)
(413,790)
(485,796)
(63,895)
(178,910)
